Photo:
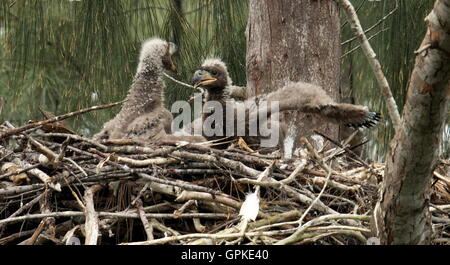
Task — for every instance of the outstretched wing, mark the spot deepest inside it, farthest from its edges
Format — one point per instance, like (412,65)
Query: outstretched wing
(299,96)
(309,98)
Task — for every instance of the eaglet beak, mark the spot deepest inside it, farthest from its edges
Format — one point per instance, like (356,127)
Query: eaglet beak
(172,51)
(202,78)
(172,67)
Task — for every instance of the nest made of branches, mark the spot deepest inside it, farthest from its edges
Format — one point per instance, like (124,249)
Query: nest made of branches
(62,188)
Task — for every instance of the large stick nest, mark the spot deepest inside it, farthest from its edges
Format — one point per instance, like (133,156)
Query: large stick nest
(61,188)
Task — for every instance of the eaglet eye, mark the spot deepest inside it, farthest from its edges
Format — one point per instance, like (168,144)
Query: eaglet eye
(214,73)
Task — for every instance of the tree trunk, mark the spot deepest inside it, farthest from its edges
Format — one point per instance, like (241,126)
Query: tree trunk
(294,41)
(401,215)
(177,27)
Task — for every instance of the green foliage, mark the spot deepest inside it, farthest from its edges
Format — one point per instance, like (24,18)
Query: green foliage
(61,52)
(56,54)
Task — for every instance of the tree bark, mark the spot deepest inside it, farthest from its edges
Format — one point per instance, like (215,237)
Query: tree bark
(401,215)
(294,41)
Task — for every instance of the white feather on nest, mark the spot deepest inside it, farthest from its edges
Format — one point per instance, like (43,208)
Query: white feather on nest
(250,207)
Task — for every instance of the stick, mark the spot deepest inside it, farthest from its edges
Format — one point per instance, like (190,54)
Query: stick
(6,240)
(211,236)
(224,153)
(19,172)
(335,184)
(147,226)
(36,233)
(315,200)
(91,225)
(26,206)
(51,156)
(181,184)
(146,162)
(345,149)
(117,215)
(178,82)
(184,207)
(359,46)
(295,236)
(76,138)
(236,165)
(194,195)
(374,25)
(41,175)
(55,119)
(373,62)
(20,189)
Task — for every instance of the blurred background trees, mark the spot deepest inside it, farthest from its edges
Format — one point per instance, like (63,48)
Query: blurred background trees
(66,55)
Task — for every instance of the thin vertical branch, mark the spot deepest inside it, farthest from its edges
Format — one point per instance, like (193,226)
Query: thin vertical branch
(373,61)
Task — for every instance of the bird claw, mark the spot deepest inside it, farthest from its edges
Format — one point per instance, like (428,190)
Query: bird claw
(372,119)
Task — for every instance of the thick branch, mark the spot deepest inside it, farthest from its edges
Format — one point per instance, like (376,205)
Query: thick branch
(402,216)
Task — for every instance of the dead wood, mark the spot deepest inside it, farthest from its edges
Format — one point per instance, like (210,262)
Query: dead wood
(189,194)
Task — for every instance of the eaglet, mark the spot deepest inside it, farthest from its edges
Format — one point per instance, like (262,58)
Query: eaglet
(143,116)
(296,96)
